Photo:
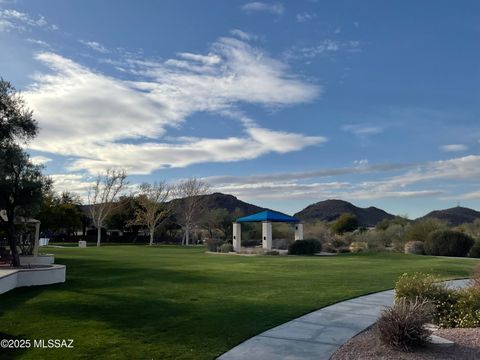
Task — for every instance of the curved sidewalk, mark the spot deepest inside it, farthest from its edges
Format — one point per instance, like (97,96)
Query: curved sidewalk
(318,334)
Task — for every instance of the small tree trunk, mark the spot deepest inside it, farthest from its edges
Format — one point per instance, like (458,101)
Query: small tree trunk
(187,237)
(151,236)
(12,242)
(99,236)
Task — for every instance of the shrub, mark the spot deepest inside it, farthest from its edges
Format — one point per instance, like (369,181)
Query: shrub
(346,222)
(420,230)
(426,287)
(448,243)
(358,246)
(272,252)
(465,312)
(281,244)
(414,247)
(226,248)
(402,325)
(305,247)
(475,250)
(214,244)
(476,276)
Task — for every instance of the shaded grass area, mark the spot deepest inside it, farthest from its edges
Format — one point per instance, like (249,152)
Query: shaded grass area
(168,302)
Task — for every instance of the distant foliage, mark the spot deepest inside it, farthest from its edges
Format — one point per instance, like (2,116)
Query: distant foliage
(226,248)
(305,247)
(214,244)
(420,230)
(402,326)
(448,243)
(358,246)
(345,223)
(475,250)
(415,247)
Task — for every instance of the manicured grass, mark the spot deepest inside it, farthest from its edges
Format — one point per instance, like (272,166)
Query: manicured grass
(167,302)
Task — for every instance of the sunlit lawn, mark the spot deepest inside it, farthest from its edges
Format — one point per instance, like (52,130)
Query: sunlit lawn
(136,302)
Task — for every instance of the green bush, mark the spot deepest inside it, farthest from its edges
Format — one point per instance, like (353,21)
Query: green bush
(426,287)
(465,312)
(345,223)
(475,250)
(448,243)
(419,230)
(402,326)
(415,247)
(305,247)
(226,248)
(214,244)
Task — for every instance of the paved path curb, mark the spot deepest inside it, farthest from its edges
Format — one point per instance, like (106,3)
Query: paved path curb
(318,334)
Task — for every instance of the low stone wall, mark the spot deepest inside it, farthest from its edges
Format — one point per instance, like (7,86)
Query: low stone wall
(45,275)
(41,259)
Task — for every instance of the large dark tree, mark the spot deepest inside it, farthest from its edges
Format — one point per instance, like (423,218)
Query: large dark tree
(21,182)
(21,187)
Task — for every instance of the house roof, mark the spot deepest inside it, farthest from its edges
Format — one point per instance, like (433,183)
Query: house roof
(268,215)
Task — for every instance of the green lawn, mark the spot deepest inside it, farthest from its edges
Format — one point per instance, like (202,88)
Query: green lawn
(135,302)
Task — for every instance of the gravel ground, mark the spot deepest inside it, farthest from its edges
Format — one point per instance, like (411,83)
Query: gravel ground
(367,346)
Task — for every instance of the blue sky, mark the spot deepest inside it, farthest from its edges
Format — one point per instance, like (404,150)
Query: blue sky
(281,103)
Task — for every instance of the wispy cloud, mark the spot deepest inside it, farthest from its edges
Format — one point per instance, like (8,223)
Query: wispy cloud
(454,148)
(231,72)
(408,184)
(13,20)
(40,160)
(273,8)
(95,46)
(324,48)
(362,129)
(243,35)
(305,16)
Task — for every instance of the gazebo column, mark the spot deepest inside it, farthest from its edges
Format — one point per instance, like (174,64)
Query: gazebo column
(237,236)
(298,231)
(267,235)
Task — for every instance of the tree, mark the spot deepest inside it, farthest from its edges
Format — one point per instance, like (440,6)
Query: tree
(21,187)
(189,194)
(60,213)
(16,119)
(152,208)
(21,182)
(103,195)
(345,223)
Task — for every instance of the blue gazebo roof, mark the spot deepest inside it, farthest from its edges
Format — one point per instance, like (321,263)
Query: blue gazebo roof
(268,215)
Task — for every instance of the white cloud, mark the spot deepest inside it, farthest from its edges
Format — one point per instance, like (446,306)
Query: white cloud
(454,148)
(95,118)
(243,35)
(95,46)
(72,183)
(274,8)
(40,160)
(362,130)
(305,16)
(323,48)
(20,21)
(406,185)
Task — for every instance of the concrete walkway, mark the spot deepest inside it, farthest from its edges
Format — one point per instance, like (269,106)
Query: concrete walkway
(319,334)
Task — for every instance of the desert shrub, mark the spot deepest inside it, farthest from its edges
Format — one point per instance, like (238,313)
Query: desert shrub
(358,246)
(475,250)
(343,250)
(329,248)
(305,247)
(214,244)
(281,244)
(476,276)
(226,248)
(420,230)
(427,287)
(272,252)
(414,247)
(345,223)
(465,312)
(375,239)
(402,326)
(448,243)
(395,237)
(386,223)
(319,230)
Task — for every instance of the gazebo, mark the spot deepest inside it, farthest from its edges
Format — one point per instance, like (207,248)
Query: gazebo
(266,217)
